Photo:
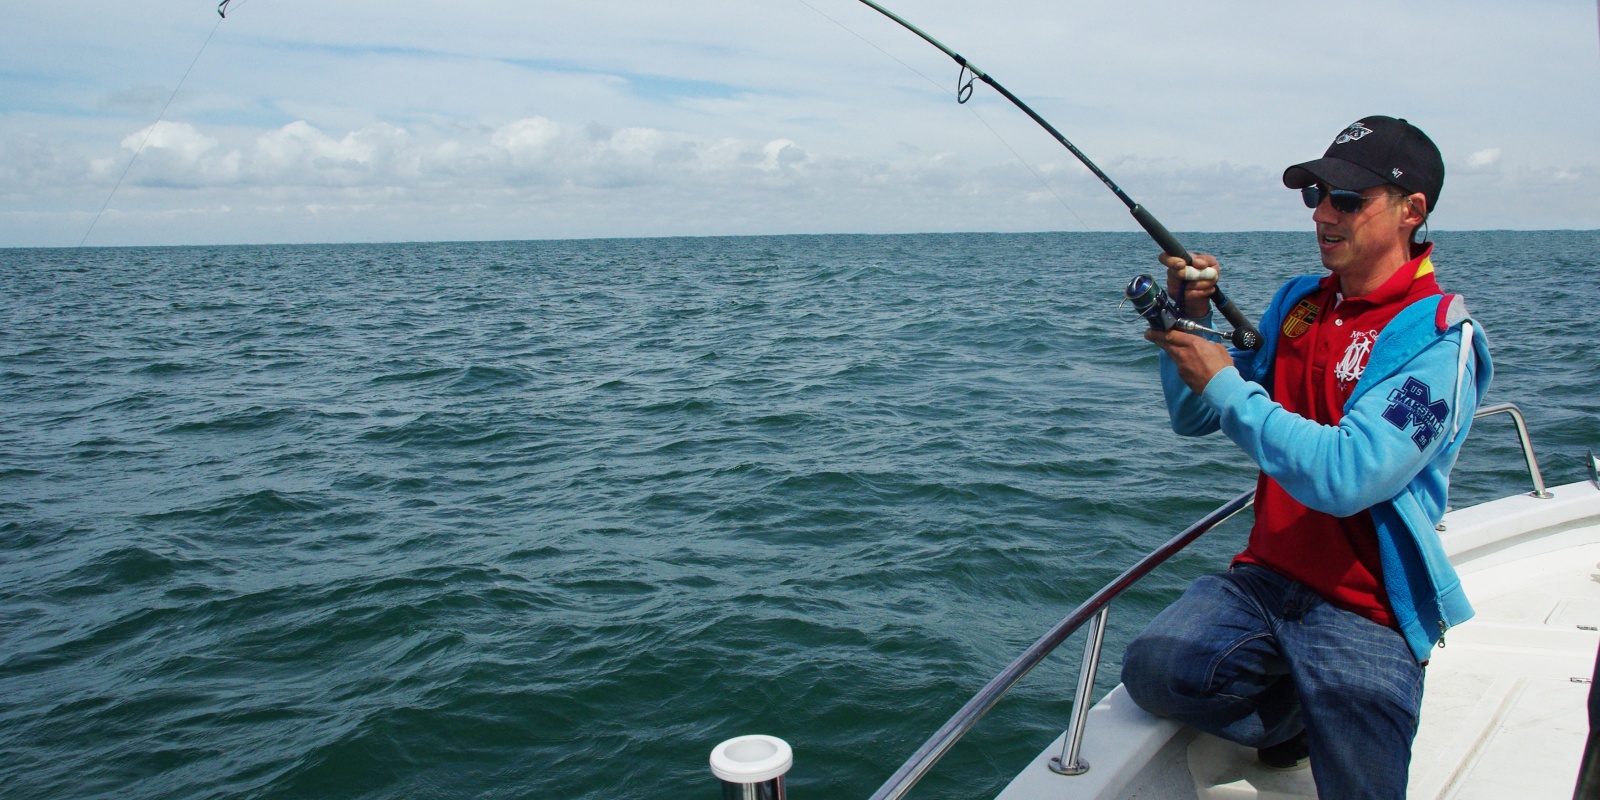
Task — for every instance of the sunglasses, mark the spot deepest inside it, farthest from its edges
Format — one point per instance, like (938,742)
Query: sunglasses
(1343,201)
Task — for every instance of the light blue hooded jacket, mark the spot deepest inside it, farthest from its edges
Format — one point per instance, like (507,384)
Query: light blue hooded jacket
(1391,453)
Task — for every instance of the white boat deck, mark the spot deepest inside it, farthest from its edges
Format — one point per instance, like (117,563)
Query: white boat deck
(1505,704)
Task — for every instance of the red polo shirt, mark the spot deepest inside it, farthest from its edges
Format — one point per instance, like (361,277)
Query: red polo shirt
(1323,348)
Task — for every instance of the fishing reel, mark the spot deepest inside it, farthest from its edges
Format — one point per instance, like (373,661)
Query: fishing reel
(1157,307)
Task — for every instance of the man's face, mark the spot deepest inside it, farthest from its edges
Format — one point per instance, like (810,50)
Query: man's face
(1361,239)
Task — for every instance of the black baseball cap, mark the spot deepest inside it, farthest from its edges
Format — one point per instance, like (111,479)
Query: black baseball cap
(1374,151)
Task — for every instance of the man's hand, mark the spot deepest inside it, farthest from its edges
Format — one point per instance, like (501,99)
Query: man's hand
(1198,360)
(1196,297)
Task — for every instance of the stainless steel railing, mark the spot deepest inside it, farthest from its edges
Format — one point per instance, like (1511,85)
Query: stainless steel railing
(948,734)
(1095,610)
(1522,439)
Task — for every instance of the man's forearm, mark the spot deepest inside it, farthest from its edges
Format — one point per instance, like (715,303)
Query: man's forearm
(1341,469)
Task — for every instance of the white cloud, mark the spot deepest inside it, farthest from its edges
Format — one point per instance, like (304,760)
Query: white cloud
(178,138)
(781,154)
(172,154)
(1484,158)
(298,153)
(525,152)
(528,141)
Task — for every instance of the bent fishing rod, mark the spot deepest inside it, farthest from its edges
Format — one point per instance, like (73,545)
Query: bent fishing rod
(1244,336)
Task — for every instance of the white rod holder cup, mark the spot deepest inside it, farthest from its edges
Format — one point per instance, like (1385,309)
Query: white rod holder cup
(752,767)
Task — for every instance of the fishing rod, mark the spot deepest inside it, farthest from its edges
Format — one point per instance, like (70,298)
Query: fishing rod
(1245,335)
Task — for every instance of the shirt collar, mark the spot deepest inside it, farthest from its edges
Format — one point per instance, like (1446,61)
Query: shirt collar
(1415,274)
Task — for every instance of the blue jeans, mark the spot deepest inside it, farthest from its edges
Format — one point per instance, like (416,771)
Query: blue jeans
(1255,657)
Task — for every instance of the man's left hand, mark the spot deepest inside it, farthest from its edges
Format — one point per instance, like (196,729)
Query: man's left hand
(1198,360)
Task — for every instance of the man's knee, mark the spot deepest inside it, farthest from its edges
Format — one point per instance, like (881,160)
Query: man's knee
(1209,639)
(1148,673)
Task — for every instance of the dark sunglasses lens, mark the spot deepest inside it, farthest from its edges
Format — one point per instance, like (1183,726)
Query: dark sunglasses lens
(1343,200)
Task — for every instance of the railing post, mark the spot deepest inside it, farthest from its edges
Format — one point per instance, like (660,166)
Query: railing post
(1522,439)
(1069,762)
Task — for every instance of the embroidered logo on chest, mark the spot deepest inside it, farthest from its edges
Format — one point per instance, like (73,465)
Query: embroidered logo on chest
(1300,319)
(1354,362)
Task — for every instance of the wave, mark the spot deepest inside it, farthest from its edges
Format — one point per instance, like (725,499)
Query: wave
(253,418)
(244,509)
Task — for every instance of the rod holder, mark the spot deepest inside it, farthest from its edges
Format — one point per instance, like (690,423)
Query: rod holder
(752,767)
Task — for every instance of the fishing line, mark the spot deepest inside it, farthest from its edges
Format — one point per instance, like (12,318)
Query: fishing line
(1042,181)
(962,93)
(874,45)
(222,9)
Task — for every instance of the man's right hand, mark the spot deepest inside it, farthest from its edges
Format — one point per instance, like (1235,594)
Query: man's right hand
(1197,293)
(1198,360)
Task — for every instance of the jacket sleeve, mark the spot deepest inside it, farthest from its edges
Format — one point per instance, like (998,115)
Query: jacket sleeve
(1383,441)
(1190,414)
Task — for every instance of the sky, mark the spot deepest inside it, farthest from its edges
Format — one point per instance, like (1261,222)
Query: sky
(400,120)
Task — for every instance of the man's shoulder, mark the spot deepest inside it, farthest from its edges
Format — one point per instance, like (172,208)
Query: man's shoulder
(1451,311)
(1430,335)
(1292,291)
(1429,318)
(1301,284)
(1283,302)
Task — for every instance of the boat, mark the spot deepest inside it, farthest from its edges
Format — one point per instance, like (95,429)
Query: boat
(1504,713)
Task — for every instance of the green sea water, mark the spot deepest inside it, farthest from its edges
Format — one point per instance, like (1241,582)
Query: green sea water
(551,519)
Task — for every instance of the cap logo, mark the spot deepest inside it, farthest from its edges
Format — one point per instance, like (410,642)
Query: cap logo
(1355,132)
(1396,173)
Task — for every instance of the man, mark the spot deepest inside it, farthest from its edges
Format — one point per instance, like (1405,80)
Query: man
(1354,407)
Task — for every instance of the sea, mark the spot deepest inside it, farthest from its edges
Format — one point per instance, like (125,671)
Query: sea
(551,519)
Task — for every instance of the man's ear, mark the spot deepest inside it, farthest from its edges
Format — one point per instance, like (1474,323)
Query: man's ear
(1416,210)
